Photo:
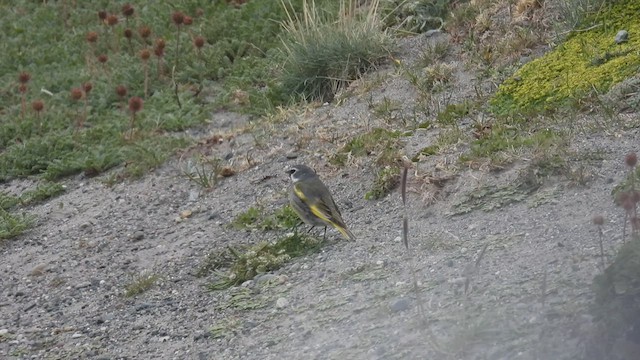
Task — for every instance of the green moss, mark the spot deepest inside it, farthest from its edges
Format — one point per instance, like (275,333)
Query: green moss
(586,61)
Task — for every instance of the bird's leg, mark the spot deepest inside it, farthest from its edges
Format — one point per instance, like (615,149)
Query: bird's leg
(324,237)
(297,225)
(312,227)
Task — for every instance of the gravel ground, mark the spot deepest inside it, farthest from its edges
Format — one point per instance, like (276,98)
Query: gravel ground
(62,284)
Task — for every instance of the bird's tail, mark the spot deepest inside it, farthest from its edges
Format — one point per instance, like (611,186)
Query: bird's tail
(345,232)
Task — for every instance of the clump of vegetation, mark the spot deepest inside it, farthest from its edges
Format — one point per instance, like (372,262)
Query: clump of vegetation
(41,193)
(415,16)
(12,225)
(140,284)
(616,308)
(206,171)
(243,265)
(256,217)
(324,53)
(500,142)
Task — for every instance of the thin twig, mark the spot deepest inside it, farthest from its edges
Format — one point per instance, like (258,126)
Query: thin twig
(577,30)
(175,86)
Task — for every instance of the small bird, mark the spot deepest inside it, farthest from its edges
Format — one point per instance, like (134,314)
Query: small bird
(313,202)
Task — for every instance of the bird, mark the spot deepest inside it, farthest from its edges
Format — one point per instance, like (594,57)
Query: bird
(313,203)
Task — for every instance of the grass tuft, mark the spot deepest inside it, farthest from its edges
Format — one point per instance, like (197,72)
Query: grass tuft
(140,284)
(256,218)
(324,52)
(12,225)
(261,258)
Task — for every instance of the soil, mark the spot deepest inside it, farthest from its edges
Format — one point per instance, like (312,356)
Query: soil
(62,283)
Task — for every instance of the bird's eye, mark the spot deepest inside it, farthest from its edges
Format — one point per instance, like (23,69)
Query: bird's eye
(291,171)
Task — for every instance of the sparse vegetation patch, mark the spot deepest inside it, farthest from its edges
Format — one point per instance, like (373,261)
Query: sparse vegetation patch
(243,265)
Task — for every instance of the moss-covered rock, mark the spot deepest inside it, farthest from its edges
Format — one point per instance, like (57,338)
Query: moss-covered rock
(586,61)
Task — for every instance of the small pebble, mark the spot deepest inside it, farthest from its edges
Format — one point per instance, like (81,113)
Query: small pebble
(282,303)
(264,278)
(76,335)
(38,270)
(194,195)
(622,36)
(137,236)
(4,332)
(399,304)
(83,285)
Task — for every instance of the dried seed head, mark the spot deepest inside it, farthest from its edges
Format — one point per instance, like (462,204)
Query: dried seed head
(631,159)
(92,36)
(121,90)
(598,220)
(22,88)
(622,197)
(198,42)
(160,43)
(145,54)
(87,87)
(135,104)
(159,52)
(188,20)
(76,93)
(103,58)
(177,18)
(112,20)
(199,12)
(227,171)
(144,32)
(128,33)
(628,204)
(24,77)
(102,15)
(127,10)
(37,105)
